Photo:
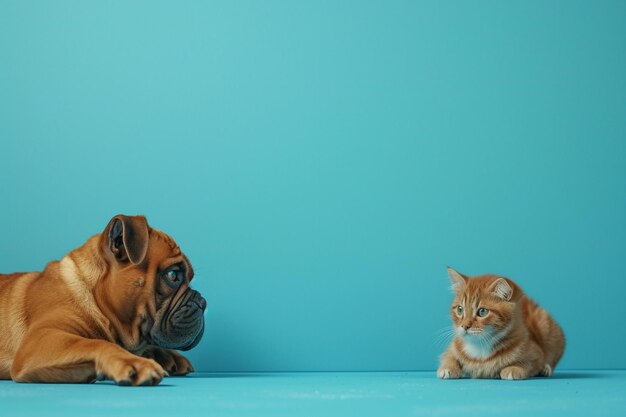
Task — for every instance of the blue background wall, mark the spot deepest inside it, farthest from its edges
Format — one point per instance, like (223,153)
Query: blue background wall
(321,162)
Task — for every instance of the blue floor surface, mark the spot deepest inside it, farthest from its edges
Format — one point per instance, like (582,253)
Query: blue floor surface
(568,393)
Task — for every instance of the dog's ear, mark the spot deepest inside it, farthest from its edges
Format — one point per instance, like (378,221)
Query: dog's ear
(127,238)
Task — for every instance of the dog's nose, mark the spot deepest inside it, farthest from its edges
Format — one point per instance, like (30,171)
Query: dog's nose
(199,299)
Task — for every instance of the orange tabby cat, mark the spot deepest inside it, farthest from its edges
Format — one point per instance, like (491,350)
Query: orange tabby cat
(499,332)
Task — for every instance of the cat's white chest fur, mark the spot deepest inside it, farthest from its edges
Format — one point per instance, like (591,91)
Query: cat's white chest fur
(476,349)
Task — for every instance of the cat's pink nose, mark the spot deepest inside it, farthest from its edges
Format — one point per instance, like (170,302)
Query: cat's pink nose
(466,326)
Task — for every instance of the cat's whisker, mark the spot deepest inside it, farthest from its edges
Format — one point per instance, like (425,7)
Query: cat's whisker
(443,336)
(445,329)
(445,332)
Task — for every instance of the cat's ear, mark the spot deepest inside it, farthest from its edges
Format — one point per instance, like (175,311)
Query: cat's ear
(502,289)
(458,281)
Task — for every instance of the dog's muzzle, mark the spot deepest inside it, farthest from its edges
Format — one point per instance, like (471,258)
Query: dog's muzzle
(181,326)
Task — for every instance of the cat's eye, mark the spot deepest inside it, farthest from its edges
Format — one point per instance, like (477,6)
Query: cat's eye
(482,312)
(459,310)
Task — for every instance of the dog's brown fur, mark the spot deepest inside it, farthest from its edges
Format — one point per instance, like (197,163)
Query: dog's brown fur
(80,319)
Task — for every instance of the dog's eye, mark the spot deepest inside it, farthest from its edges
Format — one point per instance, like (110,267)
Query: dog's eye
(173,277)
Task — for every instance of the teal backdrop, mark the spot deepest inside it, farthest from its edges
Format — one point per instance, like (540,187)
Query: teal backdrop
(321,162)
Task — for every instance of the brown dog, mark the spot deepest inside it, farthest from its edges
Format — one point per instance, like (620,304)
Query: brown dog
(113,308)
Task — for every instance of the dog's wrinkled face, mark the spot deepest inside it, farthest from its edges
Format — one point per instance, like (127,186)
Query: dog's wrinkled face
(148,287)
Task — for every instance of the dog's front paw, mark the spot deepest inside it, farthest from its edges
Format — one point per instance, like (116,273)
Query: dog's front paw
(173,362)
(133,370)
(449,373)
(513,372)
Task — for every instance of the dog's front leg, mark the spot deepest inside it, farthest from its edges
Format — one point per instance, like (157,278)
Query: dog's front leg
(49,355)
(173,362)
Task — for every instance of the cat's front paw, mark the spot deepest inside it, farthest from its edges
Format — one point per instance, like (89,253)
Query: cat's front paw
(449,373)
(546,371)
(513,372)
